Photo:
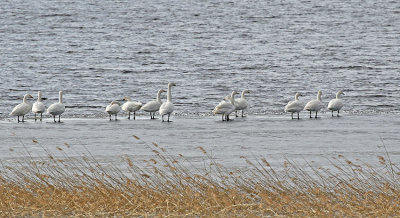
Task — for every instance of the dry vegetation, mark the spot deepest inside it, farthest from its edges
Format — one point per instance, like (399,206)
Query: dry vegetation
(169,186)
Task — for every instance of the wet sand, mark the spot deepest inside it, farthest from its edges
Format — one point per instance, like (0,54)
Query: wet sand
(273,137)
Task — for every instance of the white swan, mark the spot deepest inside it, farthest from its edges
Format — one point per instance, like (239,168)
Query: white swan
(131,106)
(113,108)
(226,107)
(38,107)
(241,103)
(337,103)
(22,109)
(153,106)
(57,108)
(166,108)
(295,106)
(314,105)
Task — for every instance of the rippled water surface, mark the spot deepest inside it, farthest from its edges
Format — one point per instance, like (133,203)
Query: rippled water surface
(98,51)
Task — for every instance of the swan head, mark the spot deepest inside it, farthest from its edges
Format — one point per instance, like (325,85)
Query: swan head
(234,93)
(162,90)
(227,98)
(126,98)
(171,84)
(246,91)
(298,94)
(28,96)
(115,102)
(341,92)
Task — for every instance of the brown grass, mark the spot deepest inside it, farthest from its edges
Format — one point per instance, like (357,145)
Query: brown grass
(168,185)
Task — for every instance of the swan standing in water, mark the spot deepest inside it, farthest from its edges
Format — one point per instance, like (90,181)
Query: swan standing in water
(337,103)
(57,108)
(131,106)
(38,107)
(166,108)
(153,106)
(113,108)
(314,105)
(22,109)
(295,106)
(241,103)
(226,107)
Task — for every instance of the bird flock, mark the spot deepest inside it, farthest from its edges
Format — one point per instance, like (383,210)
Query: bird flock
(226,107)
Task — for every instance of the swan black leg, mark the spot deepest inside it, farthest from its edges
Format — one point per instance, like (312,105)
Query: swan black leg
(18,119)
(110,117)
(332,113)
(292,116)
(223,117)
(316,116)
(115,116)
(162,118)
(23,118)
(54,116)
(35,117)
(236,114)
(168,117)
(310,115)
(59,118)
(41,117)
(134,115)
(298,115)
(129,115)
(242,114)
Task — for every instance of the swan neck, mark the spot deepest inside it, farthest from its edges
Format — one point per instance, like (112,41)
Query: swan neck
(296,97)
(319,96)
(25,99)
(233,99)
(169,98)
(39,97)
(243,95)
(338,95)
(158,96)
(60,97)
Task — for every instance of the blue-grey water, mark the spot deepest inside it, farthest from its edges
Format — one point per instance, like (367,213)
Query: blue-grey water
(99,51)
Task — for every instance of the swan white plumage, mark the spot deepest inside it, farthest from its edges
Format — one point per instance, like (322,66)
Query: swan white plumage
(38,107)
(153,106)
(167,108)
(131,106)
(57,108)
(315,105)
(241,103)
(23,108)
(226,107)
(295,106)
(336,104)
(113,108)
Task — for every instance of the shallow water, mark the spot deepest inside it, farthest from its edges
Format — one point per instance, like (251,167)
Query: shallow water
(99,51)
(272,137)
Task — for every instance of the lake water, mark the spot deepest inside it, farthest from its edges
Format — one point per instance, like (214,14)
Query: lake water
(99,51)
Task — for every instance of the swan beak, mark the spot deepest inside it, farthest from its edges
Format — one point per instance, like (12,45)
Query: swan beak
(30,96)
(44,98)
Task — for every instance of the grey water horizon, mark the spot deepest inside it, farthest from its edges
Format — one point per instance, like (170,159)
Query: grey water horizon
(99,51)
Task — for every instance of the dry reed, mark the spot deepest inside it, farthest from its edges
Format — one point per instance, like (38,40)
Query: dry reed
(168,185)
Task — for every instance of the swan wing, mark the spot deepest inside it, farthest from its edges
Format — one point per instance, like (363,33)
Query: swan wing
(223,107)
(166,108)
(56,109)
(294,106)
(314,105)
(38,107)
(240,104)
(21,109)
(335,104)
(151,106)
(131,106)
